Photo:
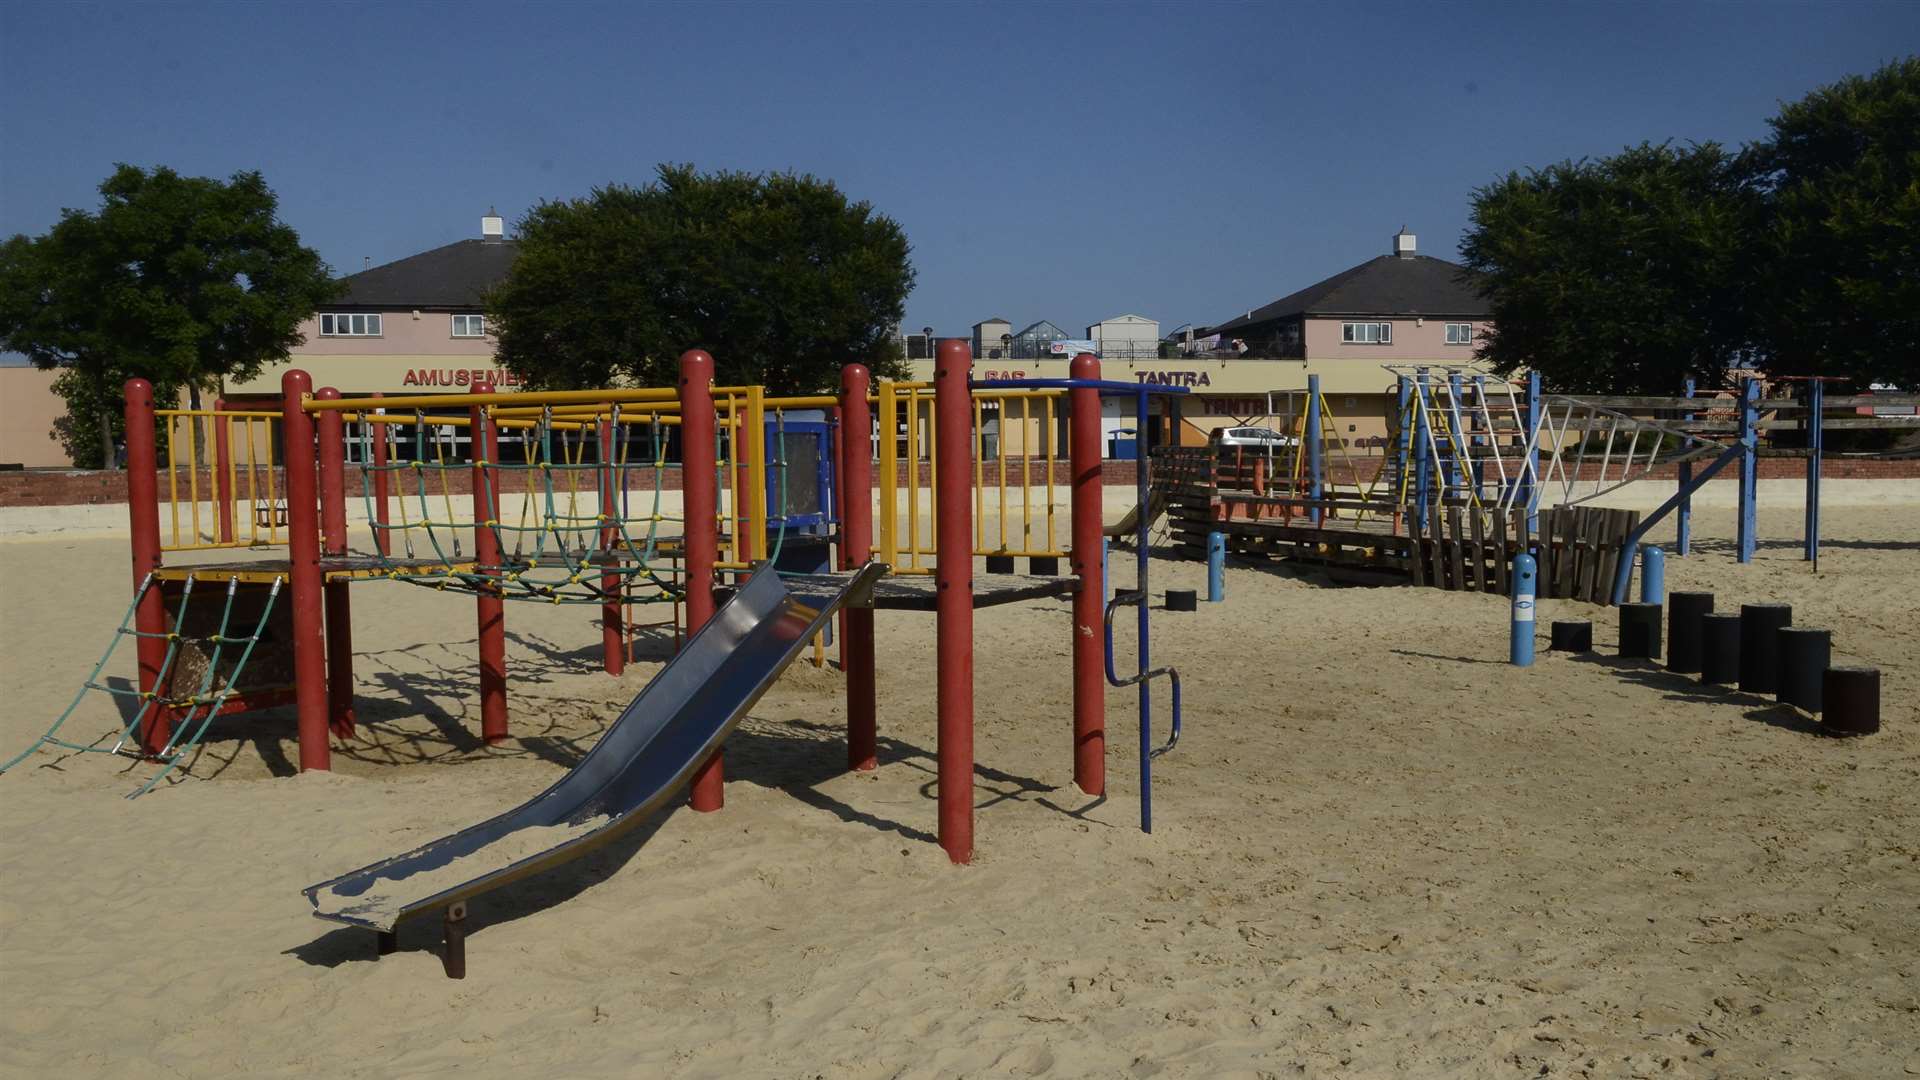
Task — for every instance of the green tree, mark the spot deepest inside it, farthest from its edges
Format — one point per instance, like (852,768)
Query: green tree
(779,276)
(179,280)
(1838,277)
(1618,275)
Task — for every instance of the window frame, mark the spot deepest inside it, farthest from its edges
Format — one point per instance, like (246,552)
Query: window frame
(339,324)
(453,326)
(1467,338)
(1382,330)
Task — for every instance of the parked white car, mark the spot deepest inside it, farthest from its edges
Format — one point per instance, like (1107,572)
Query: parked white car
(1264,438)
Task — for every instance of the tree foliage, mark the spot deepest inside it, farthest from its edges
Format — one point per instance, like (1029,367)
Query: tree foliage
(1621,275)
(1841,250)
(179,280)
(779,276)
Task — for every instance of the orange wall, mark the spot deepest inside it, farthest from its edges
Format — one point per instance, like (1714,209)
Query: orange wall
(28,408)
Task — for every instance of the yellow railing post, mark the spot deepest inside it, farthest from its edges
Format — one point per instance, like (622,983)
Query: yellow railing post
(889,428)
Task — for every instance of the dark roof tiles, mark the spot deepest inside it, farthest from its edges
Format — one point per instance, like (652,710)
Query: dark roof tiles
(1388,285)
(453,276)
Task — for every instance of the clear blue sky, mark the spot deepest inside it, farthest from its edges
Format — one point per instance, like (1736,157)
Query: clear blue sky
(1057,161)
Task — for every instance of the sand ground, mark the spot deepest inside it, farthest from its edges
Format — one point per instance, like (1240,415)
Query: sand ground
(1379,851)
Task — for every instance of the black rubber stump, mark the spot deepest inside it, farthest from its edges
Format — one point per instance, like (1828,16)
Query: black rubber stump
(1850,700)
(1183,600)
(1760,645)
(1044,566)
(1804,656)
(999,564)
(1683,630)
(1719,648)
(1639,631)
(1571,635)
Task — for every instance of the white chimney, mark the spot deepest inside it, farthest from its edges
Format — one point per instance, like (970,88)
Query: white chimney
(492,228)
(1403,243)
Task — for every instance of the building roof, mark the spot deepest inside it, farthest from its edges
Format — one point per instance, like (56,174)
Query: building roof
(1388,285)
(453,276)
(995,319)
(1040,327)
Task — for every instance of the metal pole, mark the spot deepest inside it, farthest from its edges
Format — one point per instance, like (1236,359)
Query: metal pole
(222,463)
(1816,451)
(1315,463)
(1142,402)
(1216,567)
(1520,624)
(953,567)
(1684,523)
(1403,446)
(1749,479)
(613,645)
(1653,575)
(1089,535)
(708,789)
(380,435)
(143,514)
(490,610)
(304,580)
(856,548)
(1421,465)
(1535,421)
(333,541)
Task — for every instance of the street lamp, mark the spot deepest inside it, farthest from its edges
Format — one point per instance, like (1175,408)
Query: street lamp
(926,338)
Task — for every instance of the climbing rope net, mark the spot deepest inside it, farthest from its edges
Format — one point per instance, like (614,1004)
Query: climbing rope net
(572,500)
(184,715)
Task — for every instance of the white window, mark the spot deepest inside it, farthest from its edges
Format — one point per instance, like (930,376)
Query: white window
(344,325)
(1367,333)
(1459,333)
(469,326)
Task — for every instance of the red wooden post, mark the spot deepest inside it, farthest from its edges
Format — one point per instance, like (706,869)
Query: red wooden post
(484,446)
(953,569)
(612,643)
(222,462)
(304,580)
(333,541)
(1089,646)
(380,435)
(143,518)
(856,547)
(708,791)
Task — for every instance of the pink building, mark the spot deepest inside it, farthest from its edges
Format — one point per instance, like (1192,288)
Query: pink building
(410,326)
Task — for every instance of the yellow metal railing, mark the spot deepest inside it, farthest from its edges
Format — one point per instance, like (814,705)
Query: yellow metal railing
(216,500)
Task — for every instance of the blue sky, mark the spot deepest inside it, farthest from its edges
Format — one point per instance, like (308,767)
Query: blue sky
(1060,161)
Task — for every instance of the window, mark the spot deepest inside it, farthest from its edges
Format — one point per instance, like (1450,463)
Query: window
(1367,333)
(349,325)
(469,326)
(1459,333)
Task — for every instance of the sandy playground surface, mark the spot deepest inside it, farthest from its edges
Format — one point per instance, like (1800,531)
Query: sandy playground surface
(1380,851)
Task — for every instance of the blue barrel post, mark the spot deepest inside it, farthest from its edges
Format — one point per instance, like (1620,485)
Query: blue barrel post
(1684,523)
(1457,474)
(1520,627)
(1749,472)
(1653,575)
(1535,427)
(1216,567)
(1422,465)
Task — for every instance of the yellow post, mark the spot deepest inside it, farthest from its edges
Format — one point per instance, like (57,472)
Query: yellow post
(757,470)
(889,475)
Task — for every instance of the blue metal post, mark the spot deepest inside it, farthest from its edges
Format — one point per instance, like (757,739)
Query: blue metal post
(1456,443)
(1106,576)
(1520,626)
(1749,472)
(1315,464)
(1535,421)
(1483,438)
(1653,575)
(1684,523)
(1216,567)
(1422,466)
(1816,448)
(1403,440)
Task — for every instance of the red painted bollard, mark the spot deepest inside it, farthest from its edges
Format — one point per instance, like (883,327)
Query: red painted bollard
(143,518)
(613,649)
(708,790)
(856,547)
(490,610)
(333,541)
(304,579)
(953,569)
(1089,652)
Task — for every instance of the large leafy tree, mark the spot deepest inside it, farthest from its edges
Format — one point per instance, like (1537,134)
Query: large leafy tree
(1617,275)
(180,280)
(779,276)
(1838,277)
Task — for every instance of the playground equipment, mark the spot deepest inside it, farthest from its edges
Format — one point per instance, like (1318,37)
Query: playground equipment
(1480,468)
(556,516)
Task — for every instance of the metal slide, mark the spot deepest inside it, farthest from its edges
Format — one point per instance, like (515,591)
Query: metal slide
(649,754)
